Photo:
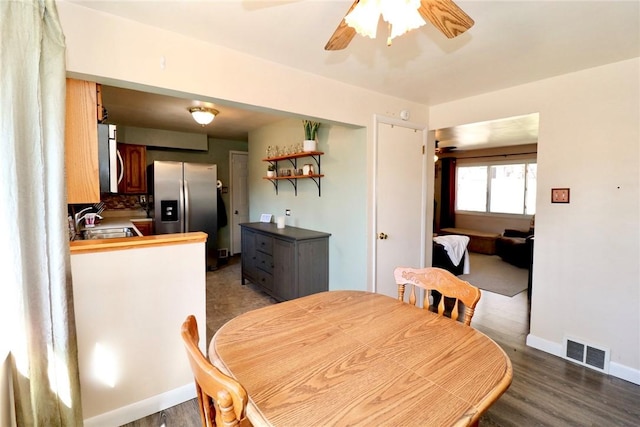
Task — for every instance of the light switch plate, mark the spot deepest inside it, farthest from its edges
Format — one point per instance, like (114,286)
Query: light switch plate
(559,195)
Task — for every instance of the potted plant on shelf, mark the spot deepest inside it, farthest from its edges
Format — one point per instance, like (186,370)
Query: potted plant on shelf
(271,171)
(310,133)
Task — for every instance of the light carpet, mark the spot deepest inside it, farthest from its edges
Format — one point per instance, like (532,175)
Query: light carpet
(491,273)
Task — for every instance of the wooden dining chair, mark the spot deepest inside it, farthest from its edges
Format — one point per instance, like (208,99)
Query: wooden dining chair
(443,282)
(222,399)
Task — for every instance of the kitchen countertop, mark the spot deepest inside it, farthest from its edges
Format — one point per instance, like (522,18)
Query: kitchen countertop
(118,219)
(110,223)
(123,243)
(117,222)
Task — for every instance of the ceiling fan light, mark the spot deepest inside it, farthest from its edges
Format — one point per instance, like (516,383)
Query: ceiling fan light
(403,15)
(364,18)
(203,115)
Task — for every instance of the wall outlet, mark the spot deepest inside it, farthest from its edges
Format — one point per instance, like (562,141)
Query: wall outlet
(287,212)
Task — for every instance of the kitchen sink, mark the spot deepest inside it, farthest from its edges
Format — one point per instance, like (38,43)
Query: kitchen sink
(108,233)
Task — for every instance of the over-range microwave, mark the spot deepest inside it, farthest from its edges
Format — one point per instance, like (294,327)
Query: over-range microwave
(111,167)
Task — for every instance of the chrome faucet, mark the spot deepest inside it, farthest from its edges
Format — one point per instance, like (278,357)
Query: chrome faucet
(77,218)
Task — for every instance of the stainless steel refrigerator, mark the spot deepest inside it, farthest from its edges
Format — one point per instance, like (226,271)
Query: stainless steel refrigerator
(185,199)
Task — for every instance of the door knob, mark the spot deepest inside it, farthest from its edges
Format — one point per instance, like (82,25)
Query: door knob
(382,236)
(236,212)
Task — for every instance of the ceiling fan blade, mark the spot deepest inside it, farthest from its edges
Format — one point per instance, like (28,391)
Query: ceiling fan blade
(446,16)
(343,35)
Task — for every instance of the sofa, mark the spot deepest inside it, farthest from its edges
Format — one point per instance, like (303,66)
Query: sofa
(443,259)
(516,247)
(481,242)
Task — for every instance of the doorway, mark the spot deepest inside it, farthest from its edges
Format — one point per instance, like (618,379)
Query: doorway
(239,197)
(507,150)
(400,195)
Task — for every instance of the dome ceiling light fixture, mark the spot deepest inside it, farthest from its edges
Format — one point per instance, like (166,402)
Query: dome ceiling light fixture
(203,115)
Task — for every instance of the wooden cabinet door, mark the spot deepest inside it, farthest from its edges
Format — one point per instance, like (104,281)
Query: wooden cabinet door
(313,266)
(81,143)
(284,270)
(145,227)
(134,158)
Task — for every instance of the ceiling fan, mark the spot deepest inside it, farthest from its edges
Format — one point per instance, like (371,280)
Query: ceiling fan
(443,14)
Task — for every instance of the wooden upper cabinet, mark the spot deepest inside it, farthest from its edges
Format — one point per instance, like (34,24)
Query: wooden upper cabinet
(81,143)
(134,158)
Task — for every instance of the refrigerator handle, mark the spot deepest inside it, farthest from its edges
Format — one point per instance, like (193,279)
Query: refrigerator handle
(186,206)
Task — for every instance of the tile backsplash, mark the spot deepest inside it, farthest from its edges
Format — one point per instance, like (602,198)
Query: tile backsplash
(121,201)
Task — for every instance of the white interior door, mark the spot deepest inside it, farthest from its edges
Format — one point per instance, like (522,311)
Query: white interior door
(400,202)
(239,197)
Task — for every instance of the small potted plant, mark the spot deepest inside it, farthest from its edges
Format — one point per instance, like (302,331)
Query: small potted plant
(271,170)
(310,134)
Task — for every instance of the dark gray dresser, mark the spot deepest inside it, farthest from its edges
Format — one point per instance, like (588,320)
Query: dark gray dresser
(286,263)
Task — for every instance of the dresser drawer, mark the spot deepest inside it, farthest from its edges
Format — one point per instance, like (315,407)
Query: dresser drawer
(264,262)
(264,243)
(265,280)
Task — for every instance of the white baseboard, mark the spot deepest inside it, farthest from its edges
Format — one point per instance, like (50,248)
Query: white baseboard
(624,372)
(143,408)
(615,369)
(545,345)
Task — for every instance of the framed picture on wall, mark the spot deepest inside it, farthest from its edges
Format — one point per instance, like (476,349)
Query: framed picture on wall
(559,195)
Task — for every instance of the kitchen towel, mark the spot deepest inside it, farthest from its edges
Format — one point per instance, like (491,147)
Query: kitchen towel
(222,211)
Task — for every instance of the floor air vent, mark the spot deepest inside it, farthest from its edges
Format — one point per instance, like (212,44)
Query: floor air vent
(587,355)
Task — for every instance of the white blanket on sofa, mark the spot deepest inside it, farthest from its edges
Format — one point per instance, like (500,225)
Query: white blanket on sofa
(456,247)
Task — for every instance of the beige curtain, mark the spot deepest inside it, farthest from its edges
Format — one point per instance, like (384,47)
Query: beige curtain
(37,305)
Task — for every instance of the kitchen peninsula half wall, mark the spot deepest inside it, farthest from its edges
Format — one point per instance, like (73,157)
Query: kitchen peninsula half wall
(130,297)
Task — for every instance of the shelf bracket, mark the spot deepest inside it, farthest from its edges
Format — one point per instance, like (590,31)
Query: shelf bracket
(294,182)
(317,160)
(317,184)
(275,184)
(274,181)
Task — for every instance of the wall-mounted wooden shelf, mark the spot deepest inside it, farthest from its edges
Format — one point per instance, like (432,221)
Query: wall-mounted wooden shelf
(293,179)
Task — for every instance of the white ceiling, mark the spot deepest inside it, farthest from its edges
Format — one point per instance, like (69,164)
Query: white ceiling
(517,130)
(511,43)
(147,110)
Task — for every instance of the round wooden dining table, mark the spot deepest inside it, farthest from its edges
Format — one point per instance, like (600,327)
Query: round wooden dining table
(359,358)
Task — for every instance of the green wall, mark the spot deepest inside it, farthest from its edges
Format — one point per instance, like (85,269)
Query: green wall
(341,209)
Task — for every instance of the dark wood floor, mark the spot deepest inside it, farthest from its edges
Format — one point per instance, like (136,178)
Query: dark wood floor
(546,390)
